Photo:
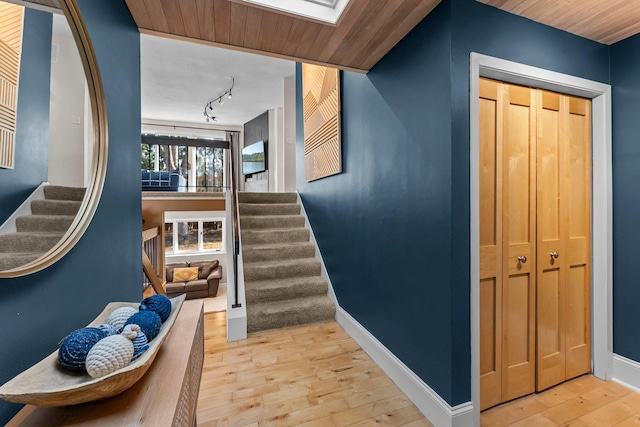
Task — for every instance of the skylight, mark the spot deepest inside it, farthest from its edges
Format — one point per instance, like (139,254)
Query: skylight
(320,10)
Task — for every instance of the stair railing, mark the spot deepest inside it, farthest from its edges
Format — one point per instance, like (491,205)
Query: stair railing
(236,234)
(151,258)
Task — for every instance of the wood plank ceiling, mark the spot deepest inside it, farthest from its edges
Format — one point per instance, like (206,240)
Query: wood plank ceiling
(604,21)
(366,31)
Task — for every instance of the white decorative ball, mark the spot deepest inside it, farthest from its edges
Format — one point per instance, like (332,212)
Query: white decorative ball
(119,316)
(108,355)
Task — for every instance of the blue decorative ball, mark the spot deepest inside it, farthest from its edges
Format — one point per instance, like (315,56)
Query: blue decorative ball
(137,337)
(159,304)
(107,329)
(75,347)
(148,321)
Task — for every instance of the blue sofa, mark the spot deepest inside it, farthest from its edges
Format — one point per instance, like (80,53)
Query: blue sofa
(162,181)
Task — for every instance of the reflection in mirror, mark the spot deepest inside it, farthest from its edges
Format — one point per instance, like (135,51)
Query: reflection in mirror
(55,157)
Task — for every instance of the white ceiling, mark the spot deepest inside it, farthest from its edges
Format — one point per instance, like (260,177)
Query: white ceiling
(179,78)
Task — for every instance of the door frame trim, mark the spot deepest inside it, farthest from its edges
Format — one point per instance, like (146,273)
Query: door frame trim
(602,211)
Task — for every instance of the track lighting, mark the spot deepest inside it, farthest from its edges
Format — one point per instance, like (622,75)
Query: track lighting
(208,108)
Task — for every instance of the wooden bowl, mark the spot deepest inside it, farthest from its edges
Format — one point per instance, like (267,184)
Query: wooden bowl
(49,384)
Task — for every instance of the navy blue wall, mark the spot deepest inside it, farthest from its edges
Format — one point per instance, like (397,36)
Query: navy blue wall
(394,227)
(39,309)
(625,69)
(32,126)
(479,28)
(384,224)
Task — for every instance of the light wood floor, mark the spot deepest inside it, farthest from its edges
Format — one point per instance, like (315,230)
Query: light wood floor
(584,401)
(316,375)
(312,375)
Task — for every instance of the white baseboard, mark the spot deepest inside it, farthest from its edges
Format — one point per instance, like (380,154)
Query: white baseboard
(626,372)
(434,408)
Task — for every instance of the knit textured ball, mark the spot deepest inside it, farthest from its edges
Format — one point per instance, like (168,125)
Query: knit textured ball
(107,329)
(73,351)
(108,355)
(159,304)
(119,316)
(148,321)
(137,337)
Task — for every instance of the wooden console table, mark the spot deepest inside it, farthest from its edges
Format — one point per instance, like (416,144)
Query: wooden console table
(167,395)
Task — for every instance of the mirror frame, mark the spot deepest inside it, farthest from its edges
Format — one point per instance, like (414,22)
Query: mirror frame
(91,199)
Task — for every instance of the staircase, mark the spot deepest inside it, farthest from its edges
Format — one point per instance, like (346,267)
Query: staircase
(37,233)
(283,285)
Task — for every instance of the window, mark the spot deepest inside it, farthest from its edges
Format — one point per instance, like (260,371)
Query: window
(202,167)
(193,236)
(209,167)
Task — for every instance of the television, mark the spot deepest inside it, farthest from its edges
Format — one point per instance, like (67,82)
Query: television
(254,158)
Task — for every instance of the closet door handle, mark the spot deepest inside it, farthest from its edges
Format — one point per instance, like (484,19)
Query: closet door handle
(554,255)
(522,259)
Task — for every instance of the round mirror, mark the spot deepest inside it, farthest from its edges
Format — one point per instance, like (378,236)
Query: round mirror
(53,133)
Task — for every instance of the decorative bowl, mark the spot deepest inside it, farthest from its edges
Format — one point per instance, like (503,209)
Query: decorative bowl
(49,384)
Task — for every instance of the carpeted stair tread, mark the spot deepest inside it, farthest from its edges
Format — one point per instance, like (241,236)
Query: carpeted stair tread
(280,314)
(269,270)
(272,221)
(275,235)
(44,223)
(9,260)
(285,289)
(268,209)
(249,197)
(58,192)
(28,242)
(275,251)
(55,207)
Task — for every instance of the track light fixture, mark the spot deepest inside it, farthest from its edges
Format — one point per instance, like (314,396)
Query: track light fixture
(208,108)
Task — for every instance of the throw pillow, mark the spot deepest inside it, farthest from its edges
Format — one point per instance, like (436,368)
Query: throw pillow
(172,266)
(185,274)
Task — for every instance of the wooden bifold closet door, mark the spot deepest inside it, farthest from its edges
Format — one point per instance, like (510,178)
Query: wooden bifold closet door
(535,216)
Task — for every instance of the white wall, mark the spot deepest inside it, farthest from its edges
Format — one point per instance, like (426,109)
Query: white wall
(290,134)
(276,150)
(67,109)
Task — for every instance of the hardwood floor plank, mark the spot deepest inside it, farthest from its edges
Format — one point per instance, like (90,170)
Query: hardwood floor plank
(419,423)
(534,420)
(312,413)
(579,405)
(630,422)
(511,412)
(372,410)
(320,422)
(399,417)
(380,393)
(609,415)
(555,396)
(209,403)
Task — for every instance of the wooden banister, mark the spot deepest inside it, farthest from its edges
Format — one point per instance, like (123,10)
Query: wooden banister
(150,257)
